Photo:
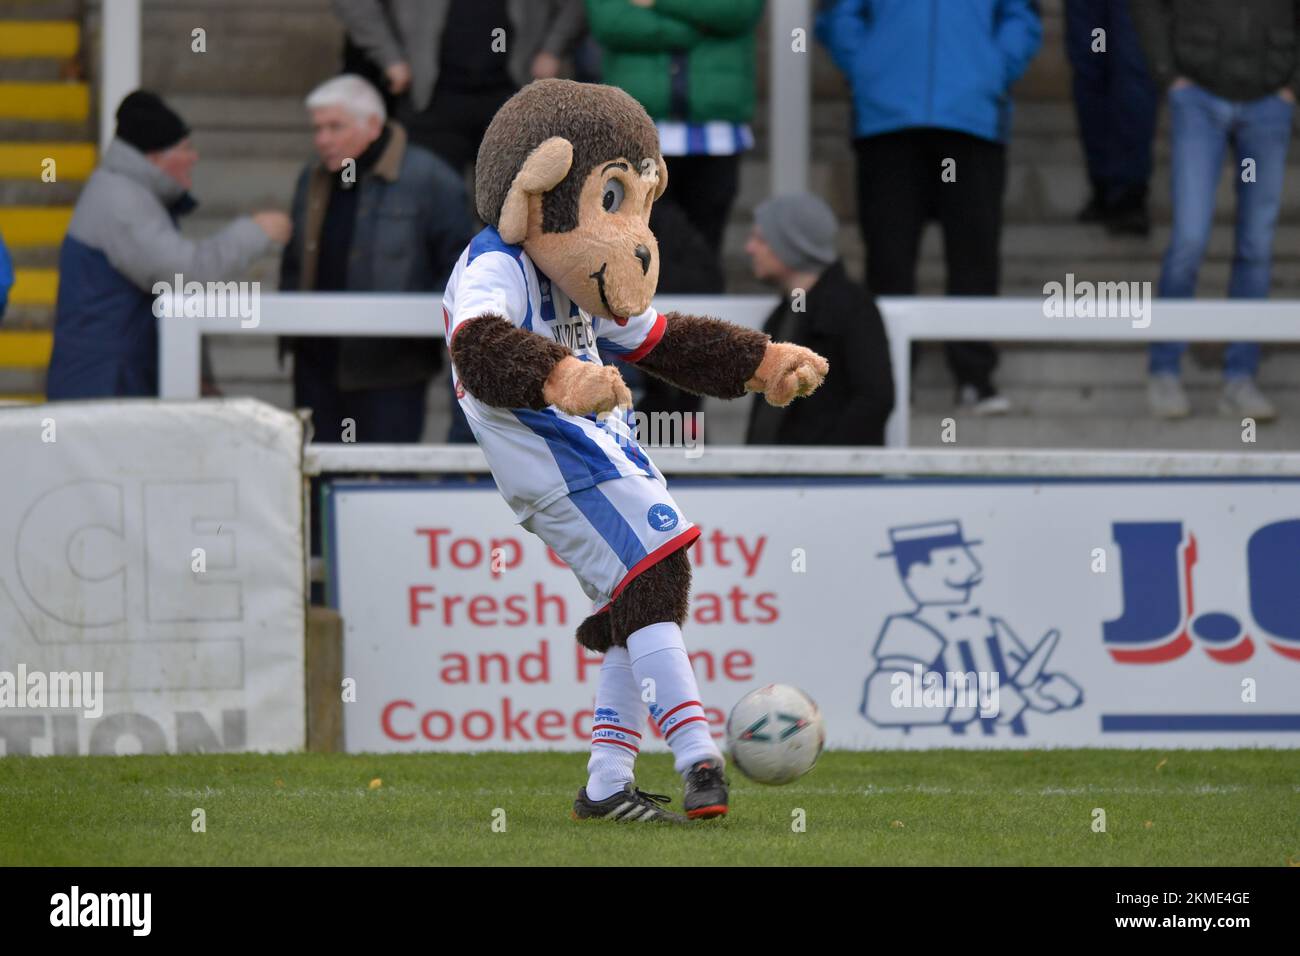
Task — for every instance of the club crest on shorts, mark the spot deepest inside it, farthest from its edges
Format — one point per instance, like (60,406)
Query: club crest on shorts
(661,517)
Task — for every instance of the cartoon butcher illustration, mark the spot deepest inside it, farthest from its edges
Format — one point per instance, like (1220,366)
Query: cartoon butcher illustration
(945,640)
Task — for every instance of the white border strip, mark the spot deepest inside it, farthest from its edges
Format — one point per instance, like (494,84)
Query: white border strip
(739,460)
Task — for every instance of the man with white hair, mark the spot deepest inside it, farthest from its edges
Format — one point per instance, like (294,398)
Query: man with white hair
(374,214)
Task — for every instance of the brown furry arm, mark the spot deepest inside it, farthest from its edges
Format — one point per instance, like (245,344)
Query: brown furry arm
(503,365)
(705,356)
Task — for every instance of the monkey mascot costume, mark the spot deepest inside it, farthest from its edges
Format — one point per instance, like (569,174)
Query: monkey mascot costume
(564,270)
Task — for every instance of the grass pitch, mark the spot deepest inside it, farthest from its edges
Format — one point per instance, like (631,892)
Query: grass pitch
(1173,808)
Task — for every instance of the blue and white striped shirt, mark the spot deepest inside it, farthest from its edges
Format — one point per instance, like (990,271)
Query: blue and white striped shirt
(537,457)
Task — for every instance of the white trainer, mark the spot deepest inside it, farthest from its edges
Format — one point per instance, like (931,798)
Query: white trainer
(968,399)
(1166,397)
(1242,398)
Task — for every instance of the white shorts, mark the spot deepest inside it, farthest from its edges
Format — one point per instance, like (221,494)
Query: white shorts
(611,532)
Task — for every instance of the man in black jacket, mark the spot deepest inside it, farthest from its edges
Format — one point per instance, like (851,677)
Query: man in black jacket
(374,213)
(792,246)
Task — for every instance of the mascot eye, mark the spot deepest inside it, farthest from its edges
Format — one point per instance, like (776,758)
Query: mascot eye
(613,196)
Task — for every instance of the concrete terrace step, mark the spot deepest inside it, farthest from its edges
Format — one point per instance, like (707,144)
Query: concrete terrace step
(32,71)
(1033,194)
(1034,254)
(27,318)
(224,111)
(41,9)
(1087,366)
(1047,124)
(1205,431)
(236,186)
(62,131)
(725,423)
(1068,404)
(1042,190)
(33,192)
(247,127)
(35,257)
(283,48)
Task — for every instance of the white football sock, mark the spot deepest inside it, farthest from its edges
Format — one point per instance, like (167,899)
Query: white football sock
(659,654)
(616,727)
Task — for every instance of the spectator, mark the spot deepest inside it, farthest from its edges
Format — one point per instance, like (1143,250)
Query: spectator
(1115,102)
(792,246)
(123,238)
(449,67)
(1232,72)
(691,65)
(932,111)
(375,214)
(6,276)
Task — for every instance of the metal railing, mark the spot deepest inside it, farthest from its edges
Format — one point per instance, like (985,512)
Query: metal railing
(907,319)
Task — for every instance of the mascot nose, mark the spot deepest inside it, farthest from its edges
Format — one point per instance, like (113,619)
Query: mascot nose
(643,254)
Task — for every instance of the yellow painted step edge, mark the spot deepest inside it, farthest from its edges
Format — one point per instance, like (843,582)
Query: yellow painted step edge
(27,39)
(72,161)
(34,287)
(44,101)
(34,225)
(25,349)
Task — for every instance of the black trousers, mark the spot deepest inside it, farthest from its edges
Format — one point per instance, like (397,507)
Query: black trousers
(1114,98)
(385,415)
(900,188)
(704,187)
(453,124)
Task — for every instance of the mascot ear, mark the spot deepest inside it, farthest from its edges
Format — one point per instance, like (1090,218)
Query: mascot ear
(543,170)
(663,178)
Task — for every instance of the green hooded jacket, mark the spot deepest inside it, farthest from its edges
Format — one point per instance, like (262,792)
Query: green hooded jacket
(689,60)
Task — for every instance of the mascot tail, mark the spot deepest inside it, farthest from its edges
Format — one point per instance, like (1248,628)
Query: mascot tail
(595,633)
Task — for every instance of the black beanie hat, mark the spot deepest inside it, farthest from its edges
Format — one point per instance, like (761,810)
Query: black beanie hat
(148,124)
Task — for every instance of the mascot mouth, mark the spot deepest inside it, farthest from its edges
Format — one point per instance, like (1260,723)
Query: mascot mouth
(599,276)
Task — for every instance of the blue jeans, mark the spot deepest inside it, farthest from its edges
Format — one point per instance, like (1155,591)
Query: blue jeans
(1202,125)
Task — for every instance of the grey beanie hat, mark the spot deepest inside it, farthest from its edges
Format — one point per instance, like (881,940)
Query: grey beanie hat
(801,230)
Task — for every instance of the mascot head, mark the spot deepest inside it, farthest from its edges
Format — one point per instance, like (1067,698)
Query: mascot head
(570,170)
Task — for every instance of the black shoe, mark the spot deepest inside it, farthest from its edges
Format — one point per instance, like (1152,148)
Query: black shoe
(1095,211)
(706,791)
(1126,212)
(629,806)
(1130,221)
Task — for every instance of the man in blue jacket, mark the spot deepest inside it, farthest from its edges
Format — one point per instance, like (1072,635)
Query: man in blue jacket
(6,276)
(932,110)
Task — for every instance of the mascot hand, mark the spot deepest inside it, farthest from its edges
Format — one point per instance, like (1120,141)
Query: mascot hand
(584,388)
(787,372)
